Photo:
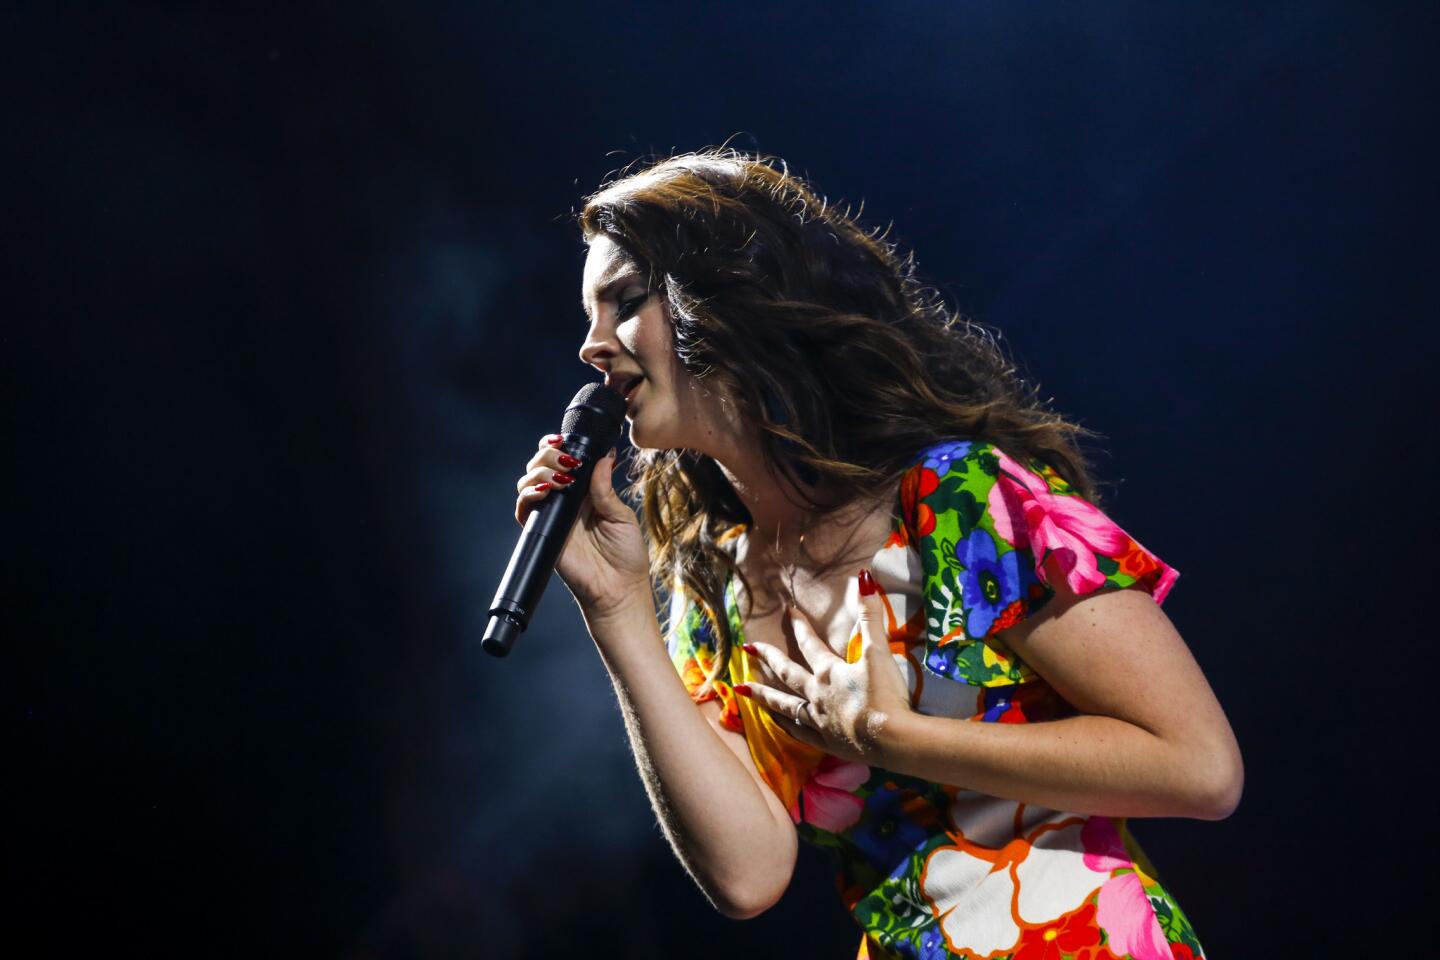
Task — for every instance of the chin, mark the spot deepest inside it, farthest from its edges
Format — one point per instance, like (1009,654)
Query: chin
(647,437)
(641,440)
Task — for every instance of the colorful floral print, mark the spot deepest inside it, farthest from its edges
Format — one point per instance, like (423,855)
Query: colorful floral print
(993,582)
(1072,934)
(692,645)
(828,798)
(1045,517)
(992,883)
(933,871)
(993,534)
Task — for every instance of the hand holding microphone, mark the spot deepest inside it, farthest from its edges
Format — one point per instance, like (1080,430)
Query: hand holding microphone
(580,529)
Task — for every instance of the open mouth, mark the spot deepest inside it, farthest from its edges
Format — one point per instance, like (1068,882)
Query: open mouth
(627,389)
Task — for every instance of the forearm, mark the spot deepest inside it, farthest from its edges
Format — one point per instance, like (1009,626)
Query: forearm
(1087,764)
(733,839)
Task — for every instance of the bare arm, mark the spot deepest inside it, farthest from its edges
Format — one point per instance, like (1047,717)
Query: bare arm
(1151,739)
(724,823)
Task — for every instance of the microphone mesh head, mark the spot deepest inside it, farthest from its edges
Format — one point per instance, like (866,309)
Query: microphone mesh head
(597,412)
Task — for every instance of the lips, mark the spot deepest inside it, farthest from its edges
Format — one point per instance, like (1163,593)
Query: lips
(628,389)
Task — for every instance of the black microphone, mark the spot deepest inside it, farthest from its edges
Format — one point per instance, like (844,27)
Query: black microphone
(591,426)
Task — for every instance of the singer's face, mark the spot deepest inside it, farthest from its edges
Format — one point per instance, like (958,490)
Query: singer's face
(630,336)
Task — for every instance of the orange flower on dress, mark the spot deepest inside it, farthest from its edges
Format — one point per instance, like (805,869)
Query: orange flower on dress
(917,484)
(1008,617)
(1136,561)
(729,707)
(693,676)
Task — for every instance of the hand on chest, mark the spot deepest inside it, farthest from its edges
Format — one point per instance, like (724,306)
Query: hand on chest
(826,592)
(831,606)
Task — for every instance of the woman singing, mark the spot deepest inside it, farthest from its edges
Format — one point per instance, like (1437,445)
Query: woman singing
(899,626)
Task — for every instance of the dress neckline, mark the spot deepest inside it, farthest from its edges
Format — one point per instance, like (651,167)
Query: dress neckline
(896,519)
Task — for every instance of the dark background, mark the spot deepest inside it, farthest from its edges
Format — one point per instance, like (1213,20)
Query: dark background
(296,292)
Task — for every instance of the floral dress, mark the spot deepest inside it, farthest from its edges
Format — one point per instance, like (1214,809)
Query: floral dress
(932,870)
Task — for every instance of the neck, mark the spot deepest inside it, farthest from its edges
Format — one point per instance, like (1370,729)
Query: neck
(783,531)
(735,447)
(779,517)
(776,513)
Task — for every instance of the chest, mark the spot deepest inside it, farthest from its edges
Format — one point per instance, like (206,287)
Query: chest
(832,606)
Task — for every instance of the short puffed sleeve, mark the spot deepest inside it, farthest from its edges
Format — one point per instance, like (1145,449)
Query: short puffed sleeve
(991,533)
(692,644)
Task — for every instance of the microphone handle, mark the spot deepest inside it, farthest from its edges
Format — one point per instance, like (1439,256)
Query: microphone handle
(537,551)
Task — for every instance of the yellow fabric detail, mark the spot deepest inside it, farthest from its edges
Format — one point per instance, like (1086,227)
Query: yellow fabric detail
(1143,866)
(784,762)
(994,658)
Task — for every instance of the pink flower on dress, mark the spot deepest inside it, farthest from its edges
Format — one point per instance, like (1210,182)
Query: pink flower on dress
(828,798)
(1122,908)
(1069,528)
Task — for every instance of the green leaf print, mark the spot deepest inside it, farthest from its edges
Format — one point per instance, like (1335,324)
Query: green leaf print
(1174,923)
(947,555)
(894,912)
(939,602)
(946,608)
(951,500)
(1164,914)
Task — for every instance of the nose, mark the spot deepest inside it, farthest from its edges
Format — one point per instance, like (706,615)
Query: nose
(599,349)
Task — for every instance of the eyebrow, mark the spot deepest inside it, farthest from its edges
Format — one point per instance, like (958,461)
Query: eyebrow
(622,273)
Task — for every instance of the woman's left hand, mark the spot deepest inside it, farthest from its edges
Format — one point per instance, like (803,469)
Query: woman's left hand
(839,707)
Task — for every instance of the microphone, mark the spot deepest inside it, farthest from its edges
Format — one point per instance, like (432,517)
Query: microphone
(591,426)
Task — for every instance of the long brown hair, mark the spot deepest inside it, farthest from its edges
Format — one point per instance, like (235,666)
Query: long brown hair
(844,363)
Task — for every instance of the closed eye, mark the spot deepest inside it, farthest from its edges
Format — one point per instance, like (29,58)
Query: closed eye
(630,306)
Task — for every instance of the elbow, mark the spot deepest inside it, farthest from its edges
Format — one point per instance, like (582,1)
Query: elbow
(746,904)
(747,894)
(1218,796)
(747,898)
(1227,798)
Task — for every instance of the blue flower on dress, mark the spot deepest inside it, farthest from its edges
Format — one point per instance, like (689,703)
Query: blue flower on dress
(886,833)
(988,583)
(938,663)
(997,701)
(932,944)
(938,457)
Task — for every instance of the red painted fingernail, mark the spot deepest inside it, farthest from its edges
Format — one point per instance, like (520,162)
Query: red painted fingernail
(568,462)
(542,486)
(867,583)
(743,689)
(750,649)
(555,439)
(563,478)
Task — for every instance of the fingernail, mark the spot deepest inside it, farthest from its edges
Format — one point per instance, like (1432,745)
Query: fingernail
(563,478)
(743,689)
(867,583)
(555,439)
(542,486)
(568,462)
(750,649)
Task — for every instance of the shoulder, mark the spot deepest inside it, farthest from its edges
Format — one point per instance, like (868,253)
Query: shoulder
(996,534)
(967,487)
